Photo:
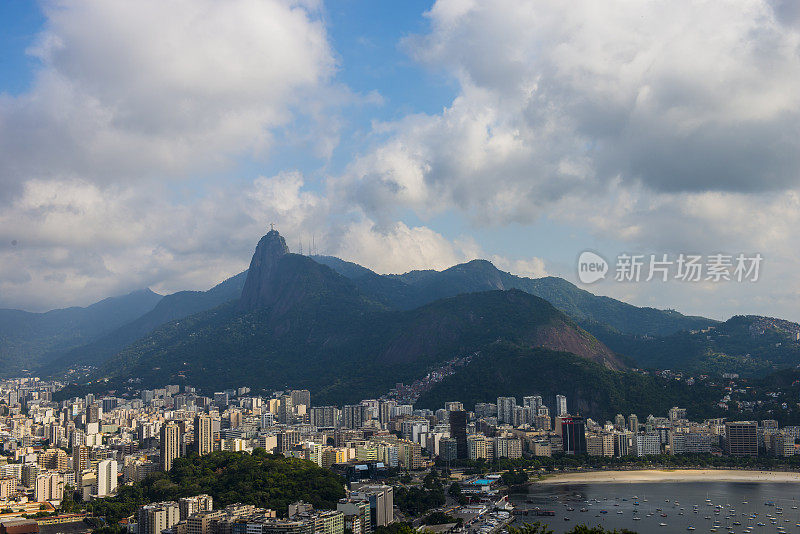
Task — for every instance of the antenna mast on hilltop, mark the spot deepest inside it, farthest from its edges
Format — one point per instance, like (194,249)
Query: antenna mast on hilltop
(300,241)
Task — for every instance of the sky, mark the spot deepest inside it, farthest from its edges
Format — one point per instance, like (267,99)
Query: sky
(152,143)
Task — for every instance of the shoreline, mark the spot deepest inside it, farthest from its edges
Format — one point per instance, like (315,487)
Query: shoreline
(669,475)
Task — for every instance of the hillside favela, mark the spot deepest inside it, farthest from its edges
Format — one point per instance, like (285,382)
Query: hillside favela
(420,267)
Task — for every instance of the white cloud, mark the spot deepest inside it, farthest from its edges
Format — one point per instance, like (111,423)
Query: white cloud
(666,126)
(75,243)
(130,97)
(399,248)
(698,223)
(530,267)
(560,99)
(134,90)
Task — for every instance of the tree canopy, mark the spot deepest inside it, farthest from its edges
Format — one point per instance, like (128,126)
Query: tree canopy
(265,480)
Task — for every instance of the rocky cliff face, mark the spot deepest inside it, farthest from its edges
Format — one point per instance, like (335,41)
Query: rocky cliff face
(259,288)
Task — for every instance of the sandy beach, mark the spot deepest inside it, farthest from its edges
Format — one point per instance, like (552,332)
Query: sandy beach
(671,475)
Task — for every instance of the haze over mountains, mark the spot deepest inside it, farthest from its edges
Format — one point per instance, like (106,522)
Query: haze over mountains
(346,332)
(26,338)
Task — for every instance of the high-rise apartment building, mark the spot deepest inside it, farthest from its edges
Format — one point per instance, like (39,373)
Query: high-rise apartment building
(677,414)
(647,444)
(325,416)
(92,414)
(619,422)
(170,444)
(458,431)
(784,444)
(506,407)
(353,415)
(622,443)
(741,438)
(203,434)
(301,396)
(109,403)
(507,447)
(561,406)
(286,410)
(267,420)
(533,401)
(80,458)
(204,521)
(287,439)
(197,503)
(485,409)
(381,503)
(633,423)
(8,486)
(53,459)
(370,408)
(453,406)
(542,422)
(477,446)
(573,435)
(385,411)
(600,444)
(107,476)
(155,517)
(357,515)
(48,487)
(448,449)
(29,474)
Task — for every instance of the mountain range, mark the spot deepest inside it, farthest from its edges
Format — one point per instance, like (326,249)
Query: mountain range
(299,323)
(415,288)
(28,339)
(347,333)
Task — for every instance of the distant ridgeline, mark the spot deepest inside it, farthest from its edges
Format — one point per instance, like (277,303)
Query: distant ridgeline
(347,333)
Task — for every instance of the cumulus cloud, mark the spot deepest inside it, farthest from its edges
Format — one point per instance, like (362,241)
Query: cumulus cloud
(130,99)
(563,99)
(666,126)
(400,248)
(157,89)
(75,243)
(71,242)
(698,223)
(530,267)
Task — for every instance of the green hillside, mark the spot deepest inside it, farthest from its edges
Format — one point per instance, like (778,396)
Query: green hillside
(748,345)
(171,307)
(31,340)
(265,480)
(342,349)
(592,390)
(416,288)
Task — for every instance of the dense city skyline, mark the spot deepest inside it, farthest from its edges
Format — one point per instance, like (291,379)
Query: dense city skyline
(419,267)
